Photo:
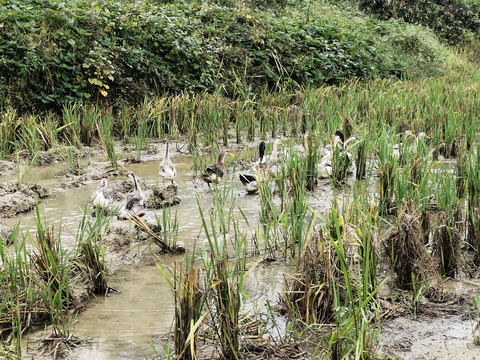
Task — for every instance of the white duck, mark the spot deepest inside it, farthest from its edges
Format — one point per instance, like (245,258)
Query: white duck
(324,167)
(102,197)
(134,203)
(271,168)
(167,170)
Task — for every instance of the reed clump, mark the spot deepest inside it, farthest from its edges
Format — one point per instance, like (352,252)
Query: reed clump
(405,248)
(309,295)
(189,297)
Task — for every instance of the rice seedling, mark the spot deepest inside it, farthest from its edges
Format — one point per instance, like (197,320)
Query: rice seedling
(311,158)
(362,155)
(9,124)
(88,121)
(126,119)
(105,131)
(448,234)
(271,219)
(51,262)
(387,170)
(71,117)
(295,175)
(50,131)
(476,316)
(24,169)
(473,203)
(91,250)
(73,161)
(450,133)
(169,226)
(461,172)
(155,238)
(224,278)
(341,161)
(189,297)
(28,137)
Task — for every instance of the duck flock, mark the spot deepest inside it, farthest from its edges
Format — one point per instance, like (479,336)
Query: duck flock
(135,202)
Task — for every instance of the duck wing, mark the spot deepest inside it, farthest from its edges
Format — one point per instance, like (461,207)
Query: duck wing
(246,178)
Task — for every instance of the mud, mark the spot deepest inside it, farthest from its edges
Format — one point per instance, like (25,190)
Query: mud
(6,233)
(16,199)
(123,325)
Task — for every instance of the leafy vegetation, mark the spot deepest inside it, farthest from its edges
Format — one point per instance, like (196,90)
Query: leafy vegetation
(456,21)
(53,52)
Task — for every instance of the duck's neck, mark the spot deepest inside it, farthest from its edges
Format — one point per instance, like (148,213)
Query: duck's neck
(166,151)
(261,151)
(221,157)
(274,151)
(136,188)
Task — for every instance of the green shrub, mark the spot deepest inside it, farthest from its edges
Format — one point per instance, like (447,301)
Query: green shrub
(53,52)
(454,20)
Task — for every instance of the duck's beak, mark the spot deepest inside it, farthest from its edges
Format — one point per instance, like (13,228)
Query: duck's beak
(230,154)
(411,134)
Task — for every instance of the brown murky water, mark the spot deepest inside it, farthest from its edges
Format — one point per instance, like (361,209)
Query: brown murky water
(125,324)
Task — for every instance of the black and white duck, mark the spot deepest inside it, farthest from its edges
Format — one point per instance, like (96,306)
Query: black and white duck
(250,180)
(134,203)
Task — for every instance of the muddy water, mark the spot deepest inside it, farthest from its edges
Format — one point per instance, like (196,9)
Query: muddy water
(124,324)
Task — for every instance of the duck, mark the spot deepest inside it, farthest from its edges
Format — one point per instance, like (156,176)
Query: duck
(324,167)
(250,180)
(215,172)
(134,203)
(271,168)
(396,148)
(167,170)
(102,197)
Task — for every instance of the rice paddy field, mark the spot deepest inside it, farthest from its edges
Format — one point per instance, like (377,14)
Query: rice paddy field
(358,239)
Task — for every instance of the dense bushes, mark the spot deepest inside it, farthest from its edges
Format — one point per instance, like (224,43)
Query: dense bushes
(454,20)
(52,52)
